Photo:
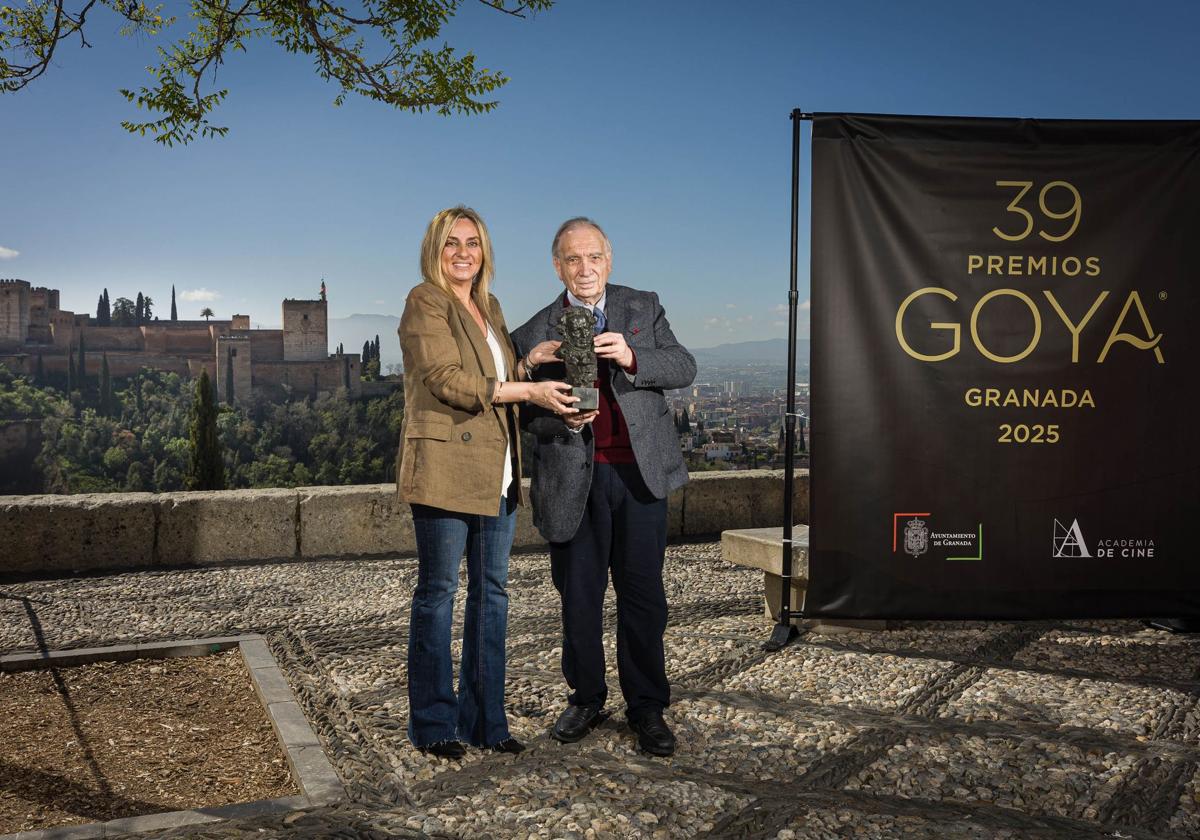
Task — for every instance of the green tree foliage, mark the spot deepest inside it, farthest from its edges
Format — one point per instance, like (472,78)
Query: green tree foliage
(124,312)
(206,313)
(139,309)
(22,400)
(174,310)
(106,396)
(207,466)
(339,40)
(144,443)
(370,360)
(103,310)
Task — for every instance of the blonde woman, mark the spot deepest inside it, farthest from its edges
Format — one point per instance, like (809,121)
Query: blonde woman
(459,469)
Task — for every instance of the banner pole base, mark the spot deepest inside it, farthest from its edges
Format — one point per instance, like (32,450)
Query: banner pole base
(782,636)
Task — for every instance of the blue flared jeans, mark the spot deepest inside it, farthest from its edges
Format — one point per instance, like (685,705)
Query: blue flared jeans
(476,714)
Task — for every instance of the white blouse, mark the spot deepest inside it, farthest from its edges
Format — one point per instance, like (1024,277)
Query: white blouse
(501,376)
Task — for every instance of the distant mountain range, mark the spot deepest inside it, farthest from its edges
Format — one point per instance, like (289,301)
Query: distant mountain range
(353,330)
(770,351)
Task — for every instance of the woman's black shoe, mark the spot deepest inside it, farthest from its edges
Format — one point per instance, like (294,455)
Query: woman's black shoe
(445,749)
(509,745)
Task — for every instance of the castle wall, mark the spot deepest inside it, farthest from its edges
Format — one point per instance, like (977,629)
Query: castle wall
(305,330)
(267,345)
(40,334)
(112,338)
(172,338)
(119,363)
(352,374)
(306,379)
(62,329)
(43,304)
(195,366)
(45,298)
(14,313)
(292,360)
(128,364)
(234,352)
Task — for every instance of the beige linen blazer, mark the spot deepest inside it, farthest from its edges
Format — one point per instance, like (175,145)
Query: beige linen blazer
(453,438)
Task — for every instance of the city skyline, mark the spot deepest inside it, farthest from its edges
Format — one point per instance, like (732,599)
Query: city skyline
(666,122)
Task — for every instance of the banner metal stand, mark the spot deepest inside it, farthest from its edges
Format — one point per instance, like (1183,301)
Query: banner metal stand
(785,632)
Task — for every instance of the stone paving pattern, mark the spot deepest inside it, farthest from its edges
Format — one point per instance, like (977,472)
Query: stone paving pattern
(931,730)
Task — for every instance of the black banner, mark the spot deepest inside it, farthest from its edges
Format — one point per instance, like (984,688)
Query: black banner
(1006,340)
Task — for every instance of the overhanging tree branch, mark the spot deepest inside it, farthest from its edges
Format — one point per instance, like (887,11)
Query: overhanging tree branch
(409,76)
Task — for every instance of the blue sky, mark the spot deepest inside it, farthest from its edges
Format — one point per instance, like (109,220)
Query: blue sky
(665,121)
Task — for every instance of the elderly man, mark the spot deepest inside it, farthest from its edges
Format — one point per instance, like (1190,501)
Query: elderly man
(600,485)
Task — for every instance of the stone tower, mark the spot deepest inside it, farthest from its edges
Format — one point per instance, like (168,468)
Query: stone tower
(14,313)
(305,330)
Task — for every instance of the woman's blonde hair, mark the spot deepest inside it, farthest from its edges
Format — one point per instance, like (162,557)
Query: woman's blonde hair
(435,240)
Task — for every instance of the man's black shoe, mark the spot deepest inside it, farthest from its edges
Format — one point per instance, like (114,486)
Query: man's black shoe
(654,736)
(509,745)
(576,722)
(445,749)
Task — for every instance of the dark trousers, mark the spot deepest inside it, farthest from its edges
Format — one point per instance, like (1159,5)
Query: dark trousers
(624,531)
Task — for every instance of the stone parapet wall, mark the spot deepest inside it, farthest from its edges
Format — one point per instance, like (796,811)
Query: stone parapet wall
(48,536)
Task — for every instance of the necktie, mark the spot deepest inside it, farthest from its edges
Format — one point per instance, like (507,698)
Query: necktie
(601,321)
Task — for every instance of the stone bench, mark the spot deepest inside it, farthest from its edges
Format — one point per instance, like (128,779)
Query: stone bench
(762,548)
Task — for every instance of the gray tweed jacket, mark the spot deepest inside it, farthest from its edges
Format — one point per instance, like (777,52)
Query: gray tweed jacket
(562,461)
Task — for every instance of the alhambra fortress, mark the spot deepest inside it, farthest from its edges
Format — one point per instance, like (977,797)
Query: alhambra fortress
(271,364)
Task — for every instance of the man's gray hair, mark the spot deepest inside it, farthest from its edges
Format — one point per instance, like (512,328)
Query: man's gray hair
(571,224)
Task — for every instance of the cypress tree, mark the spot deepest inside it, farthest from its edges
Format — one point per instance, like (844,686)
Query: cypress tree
(207,467)
(105,387)
(366,353)
(103,311)
(71,374)
(139,310)
(228,377)
(174,311)
(81,368)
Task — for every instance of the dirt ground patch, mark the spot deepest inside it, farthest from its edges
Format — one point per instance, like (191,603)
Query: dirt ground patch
(117,739)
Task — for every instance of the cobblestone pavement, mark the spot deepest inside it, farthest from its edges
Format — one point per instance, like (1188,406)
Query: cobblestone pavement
(934,729)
